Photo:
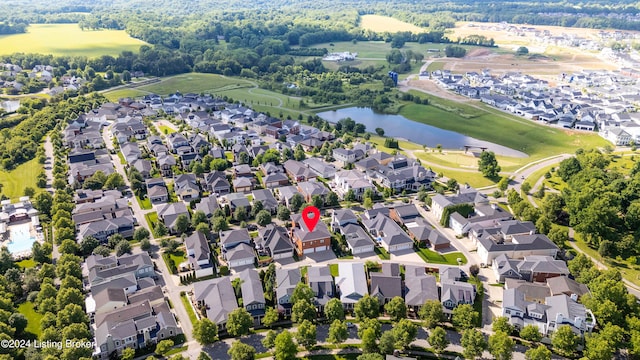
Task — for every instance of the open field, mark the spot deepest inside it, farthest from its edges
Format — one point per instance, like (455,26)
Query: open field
(485,123)
(68,39)
(15,181)
(379,23)
(115,95)
(466,161)
(372,50)
(195,83)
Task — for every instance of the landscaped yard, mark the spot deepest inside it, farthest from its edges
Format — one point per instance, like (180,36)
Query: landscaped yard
(187,305)
(382,253)
(431,256)
(33,318)
(173,260)
(15,181)
(69,40)
(152,219)
(145,203)
(164,129)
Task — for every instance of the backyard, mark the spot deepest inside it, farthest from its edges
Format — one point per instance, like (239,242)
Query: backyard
(33,318)
(15,181)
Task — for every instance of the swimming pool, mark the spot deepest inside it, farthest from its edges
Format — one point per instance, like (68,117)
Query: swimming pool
(21,239)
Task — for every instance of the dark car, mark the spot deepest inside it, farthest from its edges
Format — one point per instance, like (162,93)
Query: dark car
(252,227)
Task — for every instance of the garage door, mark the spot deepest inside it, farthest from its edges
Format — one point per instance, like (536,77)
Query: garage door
(321,248)
(309,250)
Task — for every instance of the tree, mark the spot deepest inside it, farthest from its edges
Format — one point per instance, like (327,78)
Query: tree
(488,165)
(501,346)
(269,339)
(219,223)
(568,168)
(285,348)
(564,341)
(405,332)
(370,324)
(387,342)
(539,353)
(367,308)
(302,291)
(306,334)
(43,202)
(338,332)
(604,345)
(369,341)
(501,323)
(431,313)
(350,195)
(522,50)
(503,184)
(438,339)
(380,131)
(465,317)
(396,308)
(526,187)
(241,351)
(18,322)
(473,343)
(263,218)
(140,234)
(530,333)
(182,223)
(123,247)
(88,244)
(283,213)
(367,203)
(334,310)
(332,199)
(303,310)
(199,217)
(239,322)
(160,229)
(69,247)
(205,331)
(128,353)
(271,317)
(163,347)
(114,181)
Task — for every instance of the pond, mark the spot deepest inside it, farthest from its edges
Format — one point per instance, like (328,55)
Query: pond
(400,127)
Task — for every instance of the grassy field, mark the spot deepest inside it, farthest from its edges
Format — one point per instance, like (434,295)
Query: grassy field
(485,123)
(152,219)
(145,204)
(379,23)
(115,95)
(195,83)
(33,318)
(68,39)
(15,181)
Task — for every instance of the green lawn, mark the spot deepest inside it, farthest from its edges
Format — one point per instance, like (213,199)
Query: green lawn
(382,253)
(152,219)
(379,23)
(489,124)
(115,95)
(164,129)
(15,181)
(145,203)
(431,256)
(436,65)
(33,318)
(26,263)
(122,159)
(334,269)
(378,49)
(195,83)
(187,305)
(69,40)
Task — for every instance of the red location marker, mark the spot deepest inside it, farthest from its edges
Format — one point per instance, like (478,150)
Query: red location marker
(311,216)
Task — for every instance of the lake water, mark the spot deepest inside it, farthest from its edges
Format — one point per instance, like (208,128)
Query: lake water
(398,126)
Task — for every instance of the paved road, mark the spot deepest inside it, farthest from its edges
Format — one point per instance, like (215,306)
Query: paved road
(48,170)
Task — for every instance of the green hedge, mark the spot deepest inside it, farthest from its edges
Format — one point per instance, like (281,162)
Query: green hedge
(462,209)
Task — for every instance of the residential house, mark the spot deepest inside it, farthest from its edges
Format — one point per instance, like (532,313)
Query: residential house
(351,283)
(532,268)
(348,156)
(320,167)
(144,167)
(298,171)
(405,214)
(342,217)
(240,255)
(286,193)
(353,180)
(358,241)
(265,196)
(308,242)
(464,196)
(232,238)
(237,201)
(388,234)
(310,189)
(456,293)
(169,213)
(252,294)
(242,170)
(483,216)
(157,190)
(321,282)
(491,244)
(387,284)
(242,185)
(175,141)
(199,254)
(216,182)
(567,286)
(215,298)
(131,152)
(419,287)
(556,311)
(274,241)
(166,162)
(208,205)
(186,187)
(286,282)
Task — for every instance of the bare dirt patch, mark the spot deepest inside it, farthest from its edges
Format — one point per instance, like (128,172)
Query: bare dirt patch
(477,53)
